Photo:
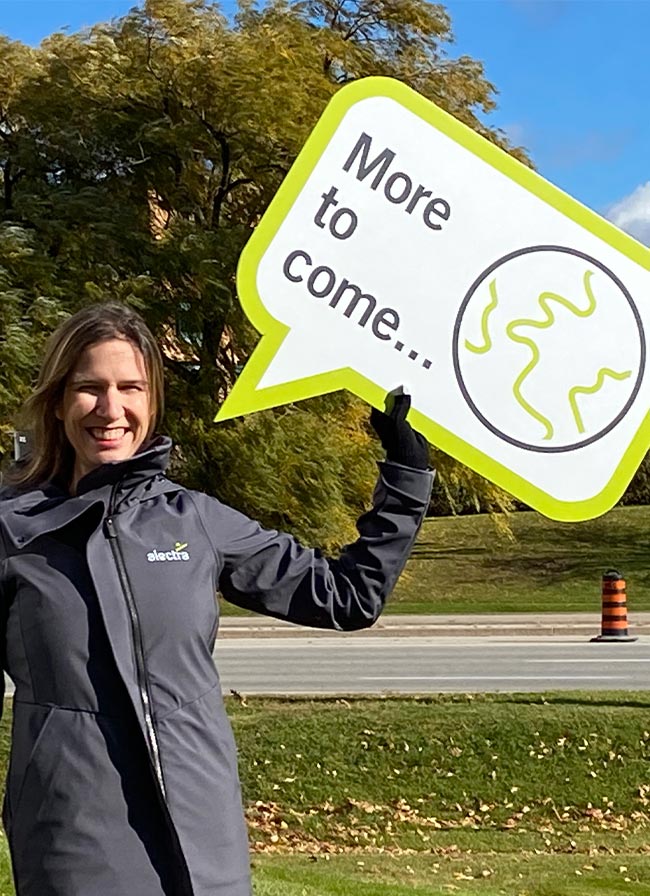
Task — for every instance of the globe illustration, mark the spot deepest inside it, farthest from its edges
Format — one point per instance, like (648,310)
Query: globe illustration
(549,349)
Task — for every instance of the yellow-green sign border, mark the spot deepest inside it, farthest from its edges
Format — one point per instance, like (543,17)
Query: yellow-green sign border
(246,398)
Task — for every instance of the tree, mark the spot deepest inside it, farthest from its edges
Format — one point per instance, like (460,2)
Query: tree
(137,157)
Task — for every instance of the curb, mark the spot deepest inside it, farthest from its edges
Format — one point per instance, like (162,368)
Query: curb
(558,625)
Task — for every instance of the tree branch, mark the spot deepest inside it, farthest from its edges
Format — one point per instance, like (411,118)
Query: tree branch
(181,369)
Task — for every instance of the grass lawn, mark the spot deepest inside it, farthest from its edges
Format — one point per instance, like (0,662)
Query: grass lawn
(411,772)
(483,874)
(524,795)
(465,564)
(499,794)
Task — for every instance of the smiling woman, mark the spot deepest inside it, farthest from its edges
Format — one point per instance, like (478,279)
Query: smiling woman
(98,397)
(123,772)
(106,412)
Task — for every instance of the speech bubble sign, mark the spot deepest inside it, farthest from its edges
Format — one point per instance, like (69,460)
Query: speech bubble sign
(404,249)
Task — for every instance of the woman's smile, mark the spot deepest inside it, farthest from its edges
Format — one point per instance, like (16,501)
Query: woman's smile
(101,434)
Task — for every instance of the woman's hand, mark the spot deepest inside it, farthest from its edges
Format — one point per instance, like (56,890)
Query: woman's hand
(403,445)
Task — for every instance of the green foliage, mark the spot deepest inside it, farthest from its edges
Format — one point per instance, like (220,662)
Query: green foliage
(135,160)
(27,315)
(638,491)
(315,494)
(458,489)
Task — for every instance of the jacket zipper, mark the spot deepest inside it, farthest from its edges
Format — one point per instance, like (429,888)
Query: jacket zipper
(141,668)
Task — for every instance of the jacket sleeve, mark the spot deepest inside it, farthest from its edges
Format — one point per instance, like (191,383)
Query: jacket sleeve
(271,573)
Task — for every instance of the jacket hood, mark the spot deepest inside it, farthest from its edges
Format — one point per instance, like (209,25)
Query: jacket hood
(27,514)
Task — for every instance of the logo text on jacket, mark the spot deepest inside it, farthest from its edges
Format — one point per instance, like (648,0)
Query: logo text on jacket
(178,553)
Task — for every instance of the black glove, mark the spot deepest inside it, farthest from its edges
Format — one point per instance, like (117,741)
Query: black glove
(403,445)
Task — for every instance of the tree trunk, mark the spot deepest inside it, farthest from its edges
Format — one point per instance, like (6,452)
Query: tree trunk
(8,186)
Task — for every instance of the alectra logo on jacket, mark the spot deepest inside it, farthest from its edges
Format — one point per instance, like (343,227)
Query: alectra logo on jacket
(178,553)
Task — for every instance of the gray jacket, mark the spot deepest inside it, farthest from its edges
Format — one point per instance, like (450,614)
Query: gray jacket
(123,773)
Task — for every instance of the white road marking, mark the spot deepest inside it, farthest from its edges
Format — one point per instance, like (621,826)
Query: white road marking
(493,677)
(617,659)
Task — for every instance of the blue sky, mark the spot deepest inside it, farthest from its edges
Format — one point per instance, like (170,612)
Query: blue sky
(573,81)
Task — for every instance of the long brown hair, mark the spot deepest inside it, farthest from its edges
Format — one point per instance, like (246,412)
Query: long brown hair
(51,454)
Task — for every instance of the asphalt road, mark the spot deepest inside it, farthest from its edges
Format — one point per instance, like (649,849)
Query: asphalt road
(353,665)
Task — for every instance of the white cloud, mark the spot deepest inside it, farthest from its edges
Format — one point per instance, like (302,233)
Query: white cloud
(632,213)
(544,13)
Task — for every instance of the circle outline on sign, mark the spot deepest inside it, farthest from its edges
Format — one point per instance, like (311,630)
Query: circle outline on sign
(547,449)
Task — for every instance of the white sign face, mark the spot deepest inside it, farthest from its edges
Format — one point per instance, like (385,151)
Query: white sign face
(404,249)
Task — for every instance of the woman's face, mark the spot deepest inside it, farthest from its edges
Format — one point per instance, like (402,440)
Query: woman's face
(106,407)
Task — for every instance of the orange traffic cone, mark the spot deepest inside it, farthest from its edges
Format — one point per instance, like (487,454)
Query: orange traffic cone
(613,626)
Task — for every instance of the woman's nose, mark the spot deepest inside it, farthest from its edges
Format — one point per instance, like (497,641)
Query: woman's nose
(109,404)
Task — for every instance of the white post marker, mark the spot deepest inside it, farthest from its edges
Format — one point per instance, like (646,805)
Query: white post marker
(403,248)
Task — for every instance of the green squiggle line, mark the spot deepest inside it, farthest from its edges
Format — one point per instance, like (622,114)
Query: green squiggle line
(487,342)
(549,320)
(524,373)
(589,390)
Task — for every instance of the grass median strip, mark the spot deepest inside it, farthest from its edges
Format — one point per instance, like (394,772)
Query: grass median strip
(403,772)
(492,794)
